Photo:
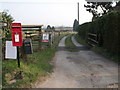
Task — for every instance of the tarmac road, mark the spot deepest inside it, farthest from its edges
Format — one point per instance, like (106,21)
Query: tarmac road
(83,69)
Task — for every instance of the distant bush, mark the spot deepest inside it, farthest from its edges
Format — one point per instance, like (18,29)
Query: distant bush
(108,27)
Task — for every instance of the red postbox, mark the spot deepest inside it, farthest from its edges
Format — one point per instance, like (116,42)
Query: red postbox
(16,34)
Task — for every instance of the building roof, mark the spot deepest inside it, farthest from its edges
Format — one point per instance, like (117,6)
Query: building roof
(32,26)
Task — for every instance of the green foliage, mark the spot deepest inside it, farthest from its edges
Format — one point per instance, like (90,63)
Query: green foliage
(69,44)
(75,25)
(8,19)
(83,29)
(92,7)
(48,27)
(39,65)
(53,28)
(107,54)
(118,3)
(108,27)
(80,40)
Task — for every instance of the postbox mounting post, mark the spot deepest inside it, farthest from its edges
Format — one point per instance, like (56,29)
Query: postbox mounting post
(18,58)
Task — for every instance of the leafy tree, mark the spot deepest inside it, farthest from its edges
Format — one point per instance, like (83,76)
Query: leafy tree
(8,19)
(53,28)
(48,27)
(93,7)
(117,7)
(75,25)
(118,3)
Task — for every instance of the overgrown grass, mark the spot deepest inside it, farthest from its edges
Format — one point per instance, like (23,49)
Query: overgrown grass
(38,65)
(107,54)
(69,44)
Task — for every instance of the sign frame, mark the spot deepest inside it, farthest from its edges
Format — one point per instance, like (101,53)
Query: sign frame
(45,37)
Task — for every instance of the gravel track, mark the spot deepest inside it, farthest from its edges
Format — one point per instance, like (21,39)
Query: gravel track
(83,69)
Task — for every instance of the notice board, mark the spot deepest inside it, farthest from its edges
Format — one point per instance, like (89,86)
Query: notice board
(11,51)
(45,37)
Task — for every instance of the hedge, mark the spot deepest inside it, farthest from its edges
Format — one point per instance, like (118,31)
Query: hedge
(108,27)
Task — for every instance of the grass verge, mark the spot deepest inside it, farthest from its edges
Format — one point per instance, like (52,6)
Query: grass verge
(107,54)
(80,40)
(99,50)
(69,44)
(38,65)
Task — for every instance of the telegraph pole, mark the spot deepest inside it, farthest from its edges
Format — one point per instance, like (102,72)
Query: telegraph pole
(78,12)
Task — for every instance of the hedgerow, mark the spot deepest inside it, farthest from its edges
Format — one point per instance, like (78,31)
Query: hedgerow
(108,27)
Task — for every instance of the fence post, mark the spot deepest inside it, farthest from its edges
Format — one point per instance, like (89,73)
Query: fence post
(23,55)
(40,38)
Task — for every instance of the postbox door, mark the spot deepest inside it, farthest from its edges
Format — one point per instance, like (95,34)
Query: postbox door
(16,37)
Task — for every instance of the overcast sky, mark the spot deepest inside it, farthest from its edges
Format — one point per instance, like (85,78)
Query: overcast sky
(52,12)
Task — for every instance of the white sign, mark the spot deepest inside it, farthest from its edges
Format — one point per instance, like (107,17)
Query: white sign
(11,51)
(45,37)
(17,38)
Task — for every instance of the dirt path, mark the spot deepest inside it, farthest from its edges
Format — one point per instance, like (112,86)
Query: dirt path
(83,69)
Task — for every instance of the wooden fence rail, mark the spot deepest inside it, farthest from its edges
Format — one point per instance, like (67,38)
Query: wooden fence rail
(92,39)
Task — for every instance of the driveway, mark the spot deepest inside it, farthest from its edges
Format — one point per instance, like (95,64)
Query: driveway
(83,69)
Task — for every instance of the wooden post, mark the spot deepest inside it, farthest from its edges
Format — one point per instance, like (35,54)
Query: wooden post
(23,54)
(40,38)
